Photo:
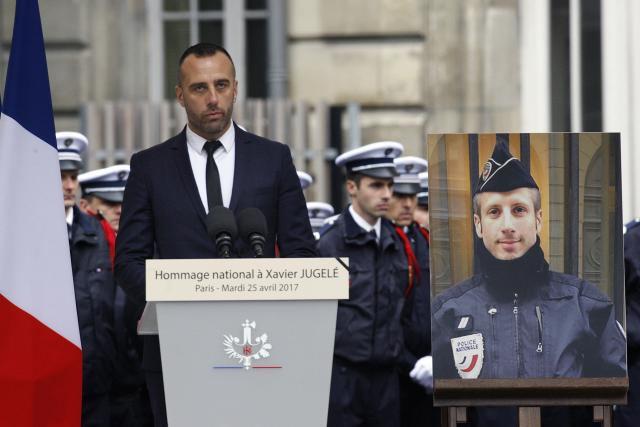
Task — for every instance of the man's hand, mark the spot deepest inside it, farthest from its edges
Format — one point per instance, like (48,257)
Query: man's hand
(422,373)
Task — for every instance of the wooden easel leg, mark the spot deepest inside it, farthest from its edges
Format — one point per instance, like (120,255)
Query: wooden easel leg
(451,416)
(602,415)
(529,416)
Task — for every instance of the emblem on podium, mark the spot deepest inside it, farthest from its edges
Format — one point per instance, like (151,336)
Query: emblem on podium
(247,349)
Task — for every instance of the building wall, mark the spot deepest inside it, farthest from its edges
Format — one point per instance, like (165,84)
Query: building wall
(368,51)
(96,51)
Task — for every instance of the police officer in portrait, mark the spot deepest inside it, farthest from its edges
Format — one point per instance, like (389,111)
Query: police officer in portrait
(369,339)
(516,318)
(93,285)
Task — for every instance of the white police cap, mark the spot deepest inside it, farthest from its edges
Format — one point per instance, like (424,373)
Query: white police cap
(305,179)
(70,146)
(408,181)
(318,213)
(107,184)
(423,195)
(375,159)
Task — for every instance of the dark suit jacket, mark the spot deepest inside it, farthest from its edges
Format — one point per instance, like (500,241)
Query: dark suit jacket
(163,215)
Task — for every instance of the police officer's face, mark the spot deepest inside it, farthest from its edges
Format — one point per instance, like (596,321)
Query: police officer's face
(401,208)
(109,210)
(370,198)
(69,187)
(421,216)
(207,91)
(508,224)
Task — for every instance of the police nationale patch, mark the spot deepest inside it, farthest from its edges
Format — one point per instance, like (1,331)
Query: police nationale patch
(486,171)
(468,355)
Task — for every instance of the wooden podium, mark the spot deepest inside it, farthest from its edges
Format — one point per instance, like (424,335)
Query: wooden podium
(245,341)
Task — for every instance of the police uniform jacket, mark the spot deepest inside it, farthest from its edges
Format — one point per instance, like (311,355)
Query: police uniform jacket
(628,415)
(368,329)
(534,324)
(94,290)
(417,311)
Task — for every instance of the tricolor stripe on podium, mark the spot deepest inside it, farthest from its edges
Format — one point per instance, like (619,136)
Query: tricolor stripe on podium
(40,355)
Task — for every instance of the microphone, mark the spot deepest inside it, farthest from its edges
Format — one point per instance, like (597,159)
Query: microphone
(253,229)
(221,227)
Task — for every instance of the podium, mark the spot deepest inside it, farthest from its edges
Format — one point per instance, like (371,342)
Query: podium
(245,341)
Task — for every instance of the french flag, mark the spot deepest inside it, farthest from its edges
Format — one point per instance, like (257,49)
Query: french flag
(40,354)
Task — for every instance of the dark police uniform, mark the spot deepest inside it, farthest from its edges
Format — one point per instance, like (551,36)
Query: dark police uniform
(416,406)
(546,325)
(94,289)
(128,394)
(369,338)
(629,414)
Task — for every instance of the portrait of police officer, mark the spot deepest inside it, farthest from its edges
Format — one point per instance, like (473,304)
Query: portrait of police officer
(516,318)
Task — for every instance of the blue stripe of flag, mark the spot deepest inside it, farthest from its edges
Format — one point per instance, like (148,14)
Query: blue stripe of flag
(27,97)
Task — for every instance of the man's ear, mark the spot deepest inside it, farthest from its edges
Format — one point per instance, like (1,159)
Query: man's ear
(478,225)
(539,221)
(352,187)
(179,95)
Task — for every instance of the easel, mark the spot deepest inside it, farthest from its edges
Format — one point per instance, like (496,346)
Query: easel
(454,396)
(528,416)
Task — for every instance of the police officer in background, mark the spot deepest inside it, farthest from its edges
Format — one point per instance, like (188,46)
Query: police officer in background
(102,194)
(416,367)
(369,340)
(305,179)
(318,213)
(93,285)
(421,214)
(516,318)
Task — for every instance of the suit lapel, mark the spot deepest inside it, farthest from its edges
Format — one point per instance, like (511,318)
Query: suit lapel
(240,165)
(183,164)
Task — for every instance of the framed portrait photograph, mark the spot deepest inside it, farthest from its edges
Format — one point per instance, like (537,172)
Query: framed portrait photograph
(527,272)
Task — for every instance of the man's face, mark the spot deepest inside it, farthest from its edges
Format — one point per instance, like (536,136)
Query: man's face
(370,198)
(401,209)
(508,224)
(421,216)
(109,210)
(69,187)
(207,91)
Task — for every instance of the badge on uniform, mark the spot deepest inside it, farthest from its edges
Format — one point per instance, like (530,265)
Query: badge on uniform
(468,355)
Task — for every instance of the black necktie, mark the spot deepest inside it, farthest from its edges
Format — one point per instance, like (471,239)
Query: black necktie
(214,193)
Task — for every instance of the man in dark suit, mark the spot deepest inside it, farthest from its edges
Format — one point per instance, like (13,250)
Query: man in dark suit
(212,162)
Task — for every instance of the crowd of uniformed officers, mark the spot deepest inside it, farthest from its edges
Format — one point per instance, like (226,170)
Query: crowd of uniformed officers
(382,368)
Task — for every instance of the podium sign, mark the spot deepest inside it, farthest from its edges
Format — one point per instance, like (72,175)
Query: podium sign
(246,341)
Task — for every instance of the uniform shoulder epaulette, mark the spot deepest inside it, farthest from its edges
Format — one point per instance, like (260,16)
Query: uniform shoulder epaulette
(329,223)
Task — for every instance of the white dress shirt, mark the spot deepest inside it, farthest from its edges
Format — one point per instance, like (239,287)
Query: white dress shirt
(69,215)
(364,224)
(224,157)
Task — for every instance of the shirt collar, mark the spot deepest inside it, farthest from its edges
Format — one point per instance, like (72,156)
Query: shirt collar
(69,215)
(364,224)
(197,142)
